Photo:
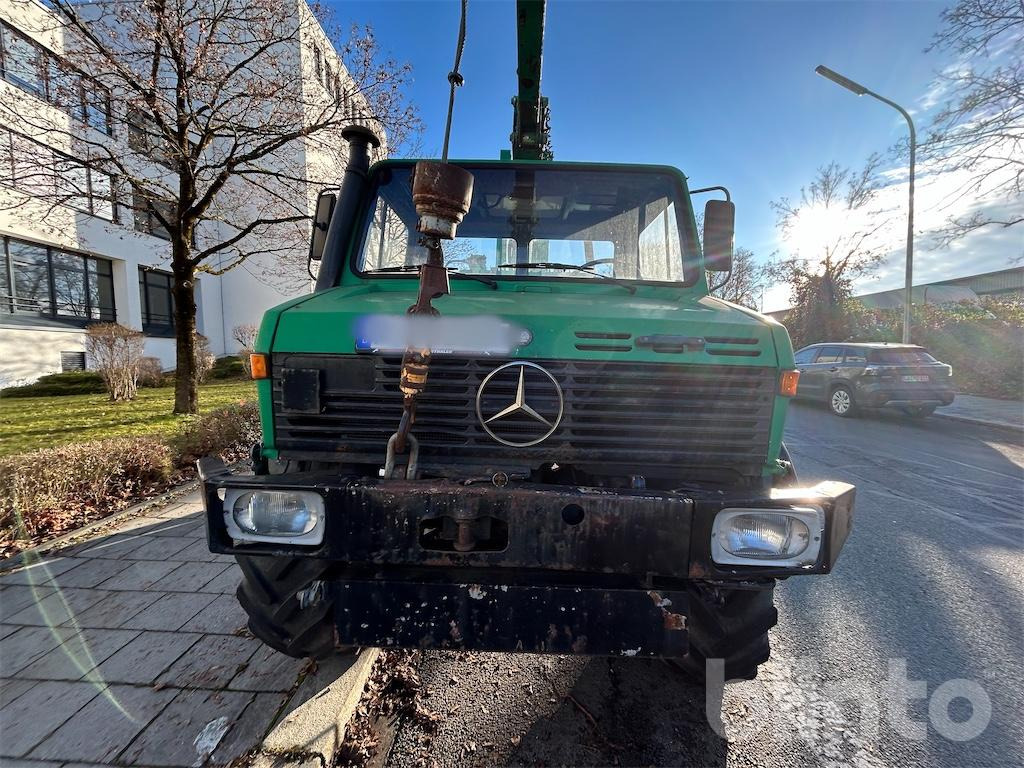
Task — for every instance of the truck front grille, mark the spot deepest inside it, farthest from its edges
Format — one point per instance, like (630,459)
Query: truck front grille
(637,417)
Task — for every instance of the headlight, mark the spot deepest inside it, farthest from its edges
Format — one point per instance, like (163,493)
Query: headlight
(771,537)
(295,517)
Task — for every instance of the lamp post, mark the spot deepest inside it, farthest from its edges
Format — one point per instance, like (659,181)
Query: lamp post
(860,90)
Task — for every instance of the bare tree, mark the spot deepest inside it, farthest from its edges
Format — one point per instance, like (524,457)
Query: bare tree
(832,234)
(978,130)
(224,132)
(746,282)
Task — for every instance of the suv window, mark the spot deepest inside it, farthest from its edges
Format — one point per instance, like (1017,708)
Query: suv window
(830,355)
(905,356)
(805,355)
(854,355)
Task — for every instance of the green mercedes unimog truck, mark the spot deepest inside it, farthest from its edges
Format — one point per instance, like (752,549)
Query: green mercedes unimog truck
(552,440)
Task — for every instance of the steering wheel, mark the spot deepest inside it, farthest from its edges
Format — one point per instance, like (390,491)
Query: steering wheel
(595,262)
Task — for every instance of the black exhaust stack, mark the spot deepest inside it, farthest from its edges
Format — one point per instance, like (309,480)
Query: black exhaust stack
(353,191)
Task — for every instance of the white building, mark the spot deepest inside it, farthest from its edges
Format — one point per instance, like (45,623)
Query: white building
(97,258)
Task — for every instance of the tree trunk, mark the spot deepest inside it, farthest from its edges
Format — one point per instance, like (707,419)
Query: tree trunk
(186,375)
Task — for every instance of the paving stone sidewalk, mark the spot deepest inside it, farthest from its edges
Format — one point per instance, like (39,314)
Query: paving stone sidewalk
(130,649)
(986,411)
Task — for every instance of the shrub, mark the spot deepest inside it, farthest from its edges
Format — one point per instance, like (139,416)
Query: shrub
(984,342)
(151,372)
(226,432)
(116,351)
(57,384)
(245,335)
(52,490)
(230,367)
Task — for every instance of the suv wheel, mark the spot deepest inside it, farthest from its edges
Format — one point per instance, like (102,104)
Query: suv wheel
(841,402)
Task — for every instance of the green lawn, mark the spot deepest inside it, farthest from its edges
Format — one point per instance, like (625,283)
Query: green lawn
(27,423)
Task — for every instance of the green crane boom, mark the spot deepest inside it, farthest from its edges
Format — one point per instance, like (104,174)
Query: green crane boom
(531,122)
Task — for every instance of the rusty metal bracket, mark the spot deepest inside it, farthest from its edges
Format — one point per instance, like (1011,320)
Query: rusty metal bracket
(411,466)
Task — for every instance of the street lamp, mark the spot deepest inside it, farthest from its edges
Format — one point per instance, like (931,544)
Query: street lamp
(860,90)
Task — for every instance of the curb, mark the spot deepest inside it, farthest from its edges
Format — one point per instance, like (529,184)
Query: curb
(999,425)
(311,731)
(161,500)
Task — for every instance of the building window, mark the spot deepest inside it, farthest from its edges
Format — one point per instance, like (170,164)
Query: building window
(38,170)
(318,64)
(72,361)
(138,136)
(50,282)
(102,195)
(329,81)
(146,138)
(157,302)
(96,105)
(33,166)
(145,211)
(35,69)
(22,61)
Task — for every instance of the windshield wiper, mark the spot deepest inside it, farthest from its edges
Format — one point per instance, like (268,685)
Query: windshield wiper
(489,282)
(567,267)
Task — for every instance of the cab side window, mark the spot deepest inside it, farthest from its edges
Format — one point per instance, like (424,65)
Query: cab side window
(830,355)
(855,356)
(805,356)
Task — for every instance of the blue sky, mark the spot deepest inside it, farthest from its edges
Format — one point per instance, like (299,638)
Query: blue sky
(726,91)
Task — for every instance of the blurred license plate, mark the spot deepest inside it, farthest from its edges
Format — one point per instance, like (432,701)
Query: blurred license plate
(916,378)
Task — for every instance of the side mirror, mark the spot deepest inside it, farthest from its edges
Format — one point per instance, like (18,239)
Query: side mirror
(325,204)
(719,233)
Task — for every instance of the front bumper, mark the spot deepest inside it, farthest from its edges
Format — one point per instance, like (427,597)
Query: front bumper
(523,567)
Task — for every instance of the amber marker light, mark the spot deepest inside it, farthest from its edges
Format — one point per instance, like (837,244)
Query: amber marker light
(787,383)
(259,365)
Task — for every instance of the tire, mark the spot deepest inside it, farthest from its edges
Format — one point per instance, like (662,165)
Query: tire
(789,479)
(269,595)
(729,624)
(841,403)
(918,411)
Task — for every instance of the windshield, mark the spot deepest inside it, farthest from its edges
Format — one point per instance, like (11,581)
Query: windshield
(899,356)
(549,223)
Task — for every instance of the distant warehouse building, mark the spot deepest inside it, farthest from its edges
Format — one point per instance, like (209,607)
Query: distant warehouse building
(1004,282)
(101,257)
(1001,283)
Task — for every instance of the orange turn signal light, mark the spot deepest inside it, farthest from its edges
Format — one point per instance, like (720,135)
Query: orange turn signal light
(787,383)
(259,365)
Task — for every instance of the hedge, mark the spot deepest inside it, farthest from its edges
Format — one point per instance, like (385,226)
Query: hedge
(56,384)
(49,491)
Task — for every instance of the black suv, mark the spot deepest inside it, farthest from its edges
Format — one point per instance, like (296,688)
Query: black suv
(849,377)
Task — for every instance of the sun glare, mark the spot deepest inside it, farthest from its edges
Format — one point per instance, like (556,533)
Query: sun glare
(816,228)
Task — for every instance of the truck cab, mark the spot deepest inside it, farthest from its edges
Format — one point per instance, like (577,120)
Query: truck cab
(594,463)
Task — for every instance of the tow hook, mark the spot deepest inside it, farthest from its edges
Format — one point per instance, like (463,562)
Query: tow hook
(411,468)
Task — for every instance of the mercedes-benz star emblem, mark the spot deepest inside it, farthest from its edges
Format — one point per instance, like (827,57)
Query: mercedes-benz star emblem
(519,404)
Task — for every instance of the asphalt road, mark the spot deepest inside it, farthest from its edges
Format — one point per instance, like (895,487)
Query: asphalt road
(931,582)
